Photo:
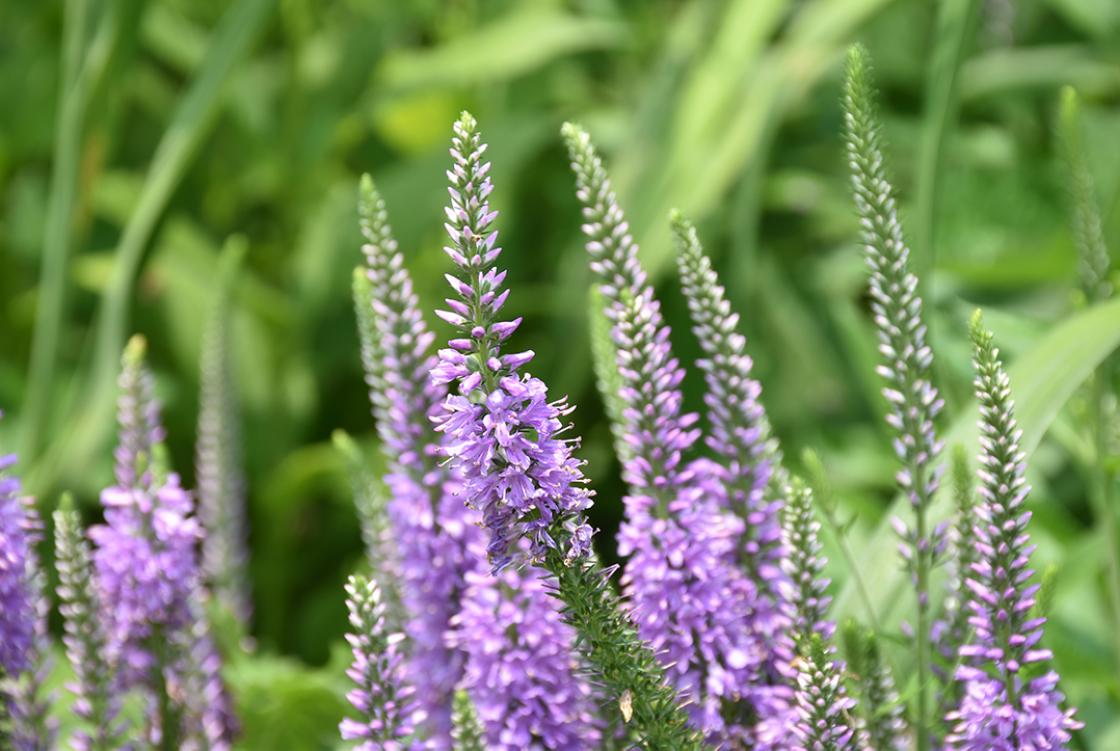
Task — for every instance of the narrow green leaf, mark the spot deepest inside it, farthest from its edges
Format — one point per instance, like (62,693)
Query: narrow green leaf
(956,22)
(189,126)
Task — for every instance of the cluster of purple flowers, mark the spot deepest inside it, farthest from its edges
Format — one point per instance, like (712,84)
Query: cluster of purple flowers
(501,638)
(17,598)
(724,577)
(702,537)
(486,621)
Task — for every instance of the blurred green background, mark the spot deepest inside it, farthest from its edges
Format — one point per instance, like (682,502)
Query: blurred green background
(138,138)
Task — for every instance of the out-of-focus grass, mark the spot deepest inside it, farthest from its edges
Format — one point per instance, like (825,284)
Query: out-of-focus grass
(729,109)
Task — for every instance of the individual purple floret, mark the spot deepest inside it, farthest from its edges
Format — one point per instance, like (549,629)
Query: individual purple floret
(381,697)
(1003,707)
(502,433)
(433,529)
(521,667)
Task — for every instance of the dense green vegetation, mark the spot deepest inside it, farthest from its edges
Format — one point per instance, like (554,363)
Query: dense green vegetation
(140,139)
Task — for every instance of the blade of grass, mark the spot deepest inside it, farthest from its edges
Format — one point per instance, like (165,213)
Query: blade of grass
(1042,379)
(57,233)
(956,24)
(189,125)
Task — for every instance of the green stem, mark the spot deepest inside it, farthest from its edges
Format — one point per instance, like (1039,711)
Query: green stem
(622,665)
(57,234)
(169,716)
(1103,480)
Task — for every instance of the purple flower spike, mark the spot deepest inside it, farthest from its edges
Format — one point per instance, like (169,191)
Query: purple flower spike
(96,698)
(433,531)
(441,548)
(147,573)
(684,581)
(751,471)
(502,433)
(24,640)
(381,698)
(17,600)
(1003,707)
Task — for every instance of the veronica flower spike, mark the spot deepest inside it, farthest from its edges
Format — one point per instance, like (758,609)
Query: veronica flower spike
(824,720)
(740,436)
(24,643)
(17,600)
(221,479)
(433,531)
(148,575)
(467,629)
(96,699)
(381,698)
(914,403)
(506,441)
(1011,698)
(684,578)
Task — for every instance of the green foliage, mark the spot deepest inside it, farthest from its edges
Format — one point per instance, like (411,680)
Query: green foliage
(726,108)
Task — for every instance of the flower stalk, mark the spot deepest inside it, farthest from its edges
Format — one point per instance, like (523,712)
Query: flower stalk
(914,403)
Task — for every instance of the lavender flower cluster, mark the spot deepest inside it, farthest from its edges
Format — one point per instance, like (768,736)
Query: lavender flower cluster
(723,593)
(485,620)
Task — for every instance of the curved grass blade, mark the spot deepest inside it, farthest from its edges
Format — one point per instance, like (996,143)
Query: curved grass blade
(189,125)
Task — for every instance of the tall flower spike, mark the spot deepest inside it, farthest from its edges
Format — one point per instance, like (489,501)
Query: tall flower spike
(1095,263)
(656,430)
(467,733)
(434,532)
(503,432)
(882,708)
(17,600)
(740,434)
(679,533)
(804,567)
(96,700)
(146,566)
(33,729)
(1002,706)
(823,704)
(502,438)
(913,400)
(381,698)
(218,457)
